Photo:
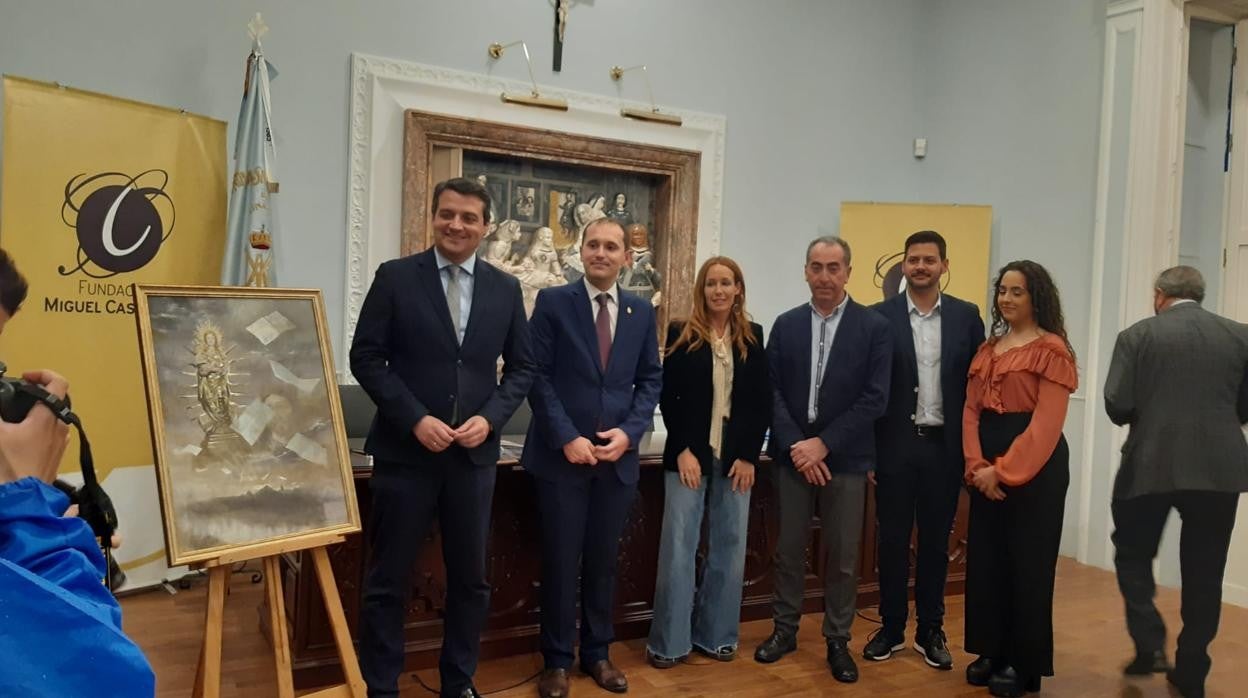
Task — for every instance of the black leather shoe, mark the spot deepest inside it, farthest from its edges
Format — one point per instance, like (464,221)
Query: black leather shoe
(469,692)
(882,644)
(934,647)
(980,671)
(1006,683)
(1148,663)
(1187,688)
(841,663)
(779,644)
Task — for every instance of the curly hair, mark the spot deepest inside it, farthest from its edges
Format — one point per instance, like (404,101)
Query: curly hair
(1046,302)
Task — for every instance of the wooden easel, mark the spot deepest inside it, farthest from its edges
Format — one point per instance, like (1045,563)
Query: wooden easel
(208,674)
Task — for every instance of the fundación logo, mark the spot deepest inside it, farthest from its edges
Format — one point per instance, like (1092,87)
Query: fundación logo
(121,221)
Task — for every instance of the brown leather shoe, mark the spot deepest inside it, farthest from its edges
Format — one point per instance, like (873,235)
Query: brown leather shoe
(553,684)
(608,678)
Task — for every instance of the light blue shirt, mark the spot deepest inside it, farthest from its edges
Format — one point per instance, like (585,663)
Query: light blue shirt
(466,281)
(822,334)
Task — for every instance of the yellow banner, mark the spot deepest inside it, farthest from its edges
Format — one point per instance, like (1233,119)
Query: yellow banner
(99,193)
(876,233)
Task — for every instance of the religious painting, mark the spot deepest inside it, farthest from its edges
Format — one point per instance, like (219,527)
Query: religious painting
(561,202)
(247,427)
(545,252)
(557,184)
(525,202)
(499,202)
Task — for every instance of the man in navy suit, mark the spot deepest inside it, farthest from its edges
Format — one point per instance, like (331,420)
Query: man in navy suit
(426,350)
(830,361)
(919,447)
(596,383)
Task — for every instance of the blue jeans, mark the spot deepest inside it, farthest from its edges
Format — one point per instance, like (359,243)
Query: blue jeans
(716,611)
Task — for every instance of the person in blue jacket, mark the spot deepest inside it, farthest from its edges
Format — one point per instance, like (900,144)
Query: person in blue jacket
(60,628)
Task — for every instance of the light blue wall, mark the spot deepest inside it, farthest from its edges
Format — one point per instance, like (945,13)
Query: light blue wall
(820,97)
(1011,109)
(822,100)
(1204,149)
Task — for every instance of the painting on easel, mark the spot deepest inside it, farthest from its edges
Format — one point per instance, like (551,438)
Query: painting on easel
(246,422)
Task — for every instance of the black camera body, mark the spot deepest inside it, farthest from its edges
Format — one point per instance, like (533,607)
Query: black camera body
(18,396)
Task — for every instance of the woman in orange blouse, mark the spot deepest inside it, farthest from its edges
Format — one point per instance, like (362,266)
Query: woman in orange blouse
(1017,470)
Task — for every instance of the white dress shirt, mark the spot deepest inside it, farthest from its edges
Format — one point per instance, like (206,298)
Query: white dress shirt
(929,410)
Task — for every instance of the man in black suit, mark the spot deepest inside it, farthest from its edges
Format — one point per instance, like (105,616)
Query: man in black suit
(426,350)
(1180,380)
(596,384)
(830,361)
(919,447)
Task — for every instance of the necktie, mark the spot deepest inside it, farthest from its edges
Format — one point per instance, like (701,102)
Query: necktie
(452,296)
(603,325)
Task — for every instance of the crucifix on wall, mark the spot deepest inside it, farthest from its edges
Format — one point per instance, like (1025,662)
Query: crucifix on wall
(561,22)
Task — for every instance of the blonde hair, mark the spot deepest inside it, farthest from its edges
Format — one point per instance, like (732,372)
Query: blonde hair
(697,330)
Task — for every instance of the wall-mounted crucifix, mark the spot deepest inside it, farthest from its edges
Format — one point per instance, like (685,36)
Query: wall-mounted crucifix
(561,22)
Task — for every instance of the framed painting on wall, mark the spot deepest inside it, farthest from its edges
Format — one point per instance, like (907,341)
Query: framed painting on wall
(651,191)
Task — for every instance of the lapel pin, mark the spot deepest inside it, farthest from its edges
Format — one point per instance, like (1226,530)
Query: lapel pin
(629,310)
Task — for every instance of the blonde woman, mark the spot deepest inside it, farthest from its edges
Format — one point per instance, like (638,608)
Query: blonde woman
(716,404)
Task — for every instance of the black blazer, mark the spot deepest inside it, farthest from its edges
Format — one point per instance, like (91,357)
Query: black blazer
(961,334)
(686,403)
(851,397)
(406,357)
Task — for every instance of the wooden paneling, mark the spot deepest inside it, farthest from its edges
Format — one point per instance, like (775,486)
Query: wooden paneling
(515,548)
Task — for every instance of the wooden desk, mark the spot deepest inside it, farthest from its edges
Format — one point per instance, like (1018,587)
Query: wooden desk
(514,563)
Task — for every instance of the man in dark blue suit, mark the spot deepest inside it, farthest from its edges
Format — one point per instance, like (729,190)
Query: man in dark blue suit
(596,383)
(830,362)
(919,447)
(426,350)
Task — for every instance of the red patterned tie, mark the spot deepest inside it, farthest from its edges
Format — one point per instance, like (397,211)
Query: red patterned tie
(603,325)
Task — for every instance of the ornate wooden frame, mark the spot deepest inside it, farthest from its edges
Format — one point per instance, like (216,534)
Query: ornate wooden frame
(433,149)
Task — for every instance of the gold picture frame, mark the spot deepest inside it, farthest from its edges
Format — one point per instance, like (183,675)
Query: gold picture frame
(246,422)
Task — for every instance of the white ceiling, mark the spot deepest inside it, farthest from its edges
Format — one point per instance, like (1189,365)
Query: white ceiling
(1234,9)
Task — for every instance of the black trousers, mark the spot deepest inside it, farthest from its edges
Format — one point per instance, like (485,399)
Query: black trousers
(583,519)
(405,499)
(1012,556)
(1208,520)
(921,487)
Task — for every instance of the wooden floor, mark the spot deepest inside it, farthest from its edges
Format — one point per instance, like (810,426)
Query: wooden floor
(1092,646)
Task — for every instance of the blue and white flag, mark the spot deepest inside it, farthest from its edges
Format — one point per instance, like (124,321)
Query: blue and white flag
(251,229)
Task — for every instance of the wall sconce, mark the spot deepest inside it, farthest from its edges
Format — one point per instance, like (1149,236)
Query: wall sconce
(531,100)
(654,114)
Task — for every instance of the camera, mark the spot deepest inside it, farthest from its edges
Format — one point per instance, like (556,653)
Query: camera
(18,396)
